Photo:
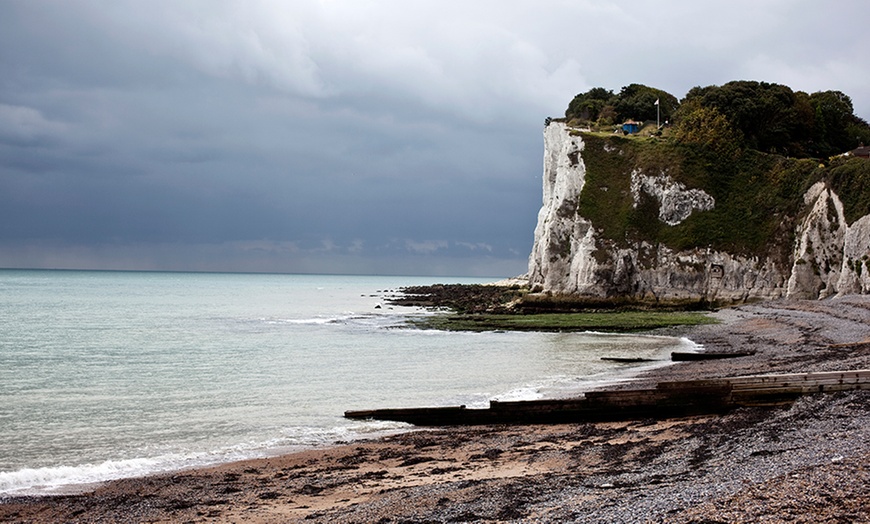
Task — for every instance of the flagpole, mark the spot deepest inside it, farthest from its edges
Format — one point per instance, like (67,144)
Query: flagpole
(658,115)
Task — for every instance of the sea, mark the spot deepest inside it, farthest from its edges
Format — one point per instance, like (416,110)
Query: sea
(111,374)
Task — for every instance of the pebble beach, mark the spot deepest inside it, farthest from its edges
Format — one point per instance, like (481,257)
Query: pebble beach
(806,461)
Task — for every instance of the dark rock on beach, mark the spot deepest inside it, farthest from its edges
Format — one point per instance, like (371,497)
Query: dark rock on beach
(462,298)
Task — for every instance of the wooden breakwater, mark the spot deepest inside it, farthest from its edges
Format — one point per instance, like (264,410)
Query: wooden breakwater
(666,400)
(685,356)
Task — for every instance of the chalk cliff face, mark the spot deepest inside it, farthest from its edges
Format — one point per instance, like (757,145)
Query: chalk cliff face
(561,258)
(572,256)
(830,256)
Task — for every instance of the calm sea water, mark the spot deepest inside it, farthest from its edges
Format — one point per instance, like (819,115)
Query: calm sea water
(112,374)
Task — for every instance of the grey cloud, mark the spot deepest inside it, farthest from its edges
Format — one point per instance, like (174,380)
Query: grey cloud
(341,136)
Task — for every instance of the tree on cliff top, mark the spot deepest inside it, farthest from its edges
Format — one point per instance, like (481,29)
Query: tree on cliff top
(774,119)
(635,101)
(638,102)
(836,128)
(707,127)
(766,114)
(588,106)
(757,115)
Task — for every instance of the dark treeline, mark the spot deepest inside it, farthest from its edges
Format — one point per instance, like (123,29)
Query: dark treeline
(757,115)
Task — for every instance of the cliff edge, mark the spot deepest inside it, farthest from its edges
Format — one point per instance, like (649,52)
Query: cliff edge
(649,220)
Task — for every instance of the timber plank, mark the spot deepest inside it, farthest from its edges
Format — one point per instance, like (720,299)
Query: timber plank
(667,399)
(683,356)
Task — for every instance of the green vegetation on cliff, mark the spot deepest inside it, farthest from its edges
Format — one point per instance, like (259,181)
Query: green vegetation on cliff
(850,179)
(635,101)
(756,194)
(775,119)
(753,146)
(763,116)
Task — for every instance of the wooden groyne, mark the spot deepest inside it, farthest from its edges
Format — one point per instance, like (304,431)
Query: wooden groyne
(666,400)
(765,389)
(685,356)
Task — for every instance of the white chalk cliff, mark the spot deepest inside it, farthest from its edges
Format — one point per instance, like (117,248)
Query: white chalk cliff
(571,256)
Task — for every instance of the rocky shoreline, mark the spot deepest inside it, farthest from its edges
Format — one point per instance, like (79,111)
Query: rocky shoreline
(804,462)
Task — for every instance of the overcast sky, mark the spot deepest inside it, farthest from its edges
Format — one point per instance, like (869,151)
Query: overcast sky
(344,136)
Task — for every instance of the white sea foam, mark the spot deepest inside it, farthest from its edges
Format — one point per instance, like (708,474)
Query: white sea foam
(51,480)
(370,320)
(30,481)
(530,392)
(317,321)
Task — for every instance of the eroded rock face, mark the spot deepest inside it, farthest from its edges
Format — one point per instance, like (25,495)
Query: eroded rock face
(676,202)
(564,241)
(571,257)
(818,250)
(830,256)
(855,274)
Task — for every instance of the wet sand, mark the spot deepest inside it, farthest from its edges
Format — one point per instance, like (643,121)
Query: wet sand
(804,462)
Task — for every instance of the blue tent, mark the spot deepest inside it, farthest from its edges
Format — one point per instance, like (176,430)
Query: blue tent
(630,127)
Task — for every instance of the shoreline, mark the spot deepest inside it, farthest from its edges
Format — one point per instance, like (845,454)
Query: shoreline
(50,480)
(599,381)
(753,462)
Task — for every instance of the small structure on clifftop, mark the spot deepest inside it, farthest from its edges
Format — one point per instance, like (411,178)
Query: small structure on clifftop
(631,127)
(861,151)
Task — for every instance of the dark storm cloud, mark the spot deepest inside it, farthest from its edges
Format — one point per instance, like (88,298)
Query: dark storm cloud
(341,136)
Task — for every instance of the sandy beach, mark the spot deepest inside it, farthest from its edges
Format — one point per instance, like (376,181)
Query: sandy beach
(808,461)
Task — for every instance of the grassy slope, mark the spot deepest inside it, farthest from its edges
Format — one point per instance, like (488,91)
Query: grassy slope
(758,196)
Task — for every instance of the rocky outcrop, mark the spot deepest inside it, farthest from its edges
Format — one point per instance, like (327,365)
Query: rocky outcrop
(830,256)
(675,202)
(572,256)
(561,258)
